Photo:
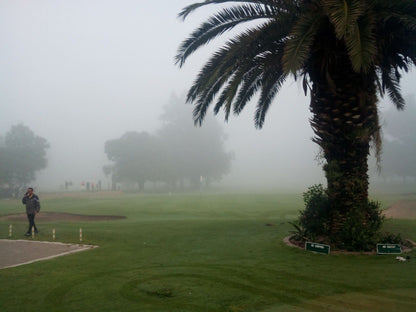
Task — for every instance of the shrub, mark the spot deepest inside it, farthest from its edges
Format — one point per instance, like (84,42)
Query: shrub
(299,233)
(361,229)
(390,238)
(315,218)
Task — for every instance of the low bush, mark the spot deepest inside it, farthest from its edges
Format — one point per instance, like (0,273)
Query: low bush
(390,238)
(315,218)
(360,227)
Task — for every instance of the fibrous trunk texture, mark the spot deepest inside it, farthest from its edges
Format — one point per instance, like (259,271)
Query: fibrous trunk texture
(344,121)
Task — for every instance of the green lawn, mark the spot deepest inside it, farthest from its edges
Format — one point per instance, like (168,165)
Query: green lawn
(199,253)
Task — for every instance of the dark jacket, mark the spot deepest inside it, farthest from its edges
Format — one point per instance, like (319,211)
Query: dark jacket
(32,204)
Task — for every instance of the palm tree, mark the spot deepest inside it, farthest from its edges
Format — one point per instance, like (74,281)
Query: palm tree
(347,53)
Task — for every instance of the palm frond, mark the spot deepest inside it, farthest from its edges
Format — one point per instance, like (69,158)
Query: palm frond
(303,38)
(396,31)
(273,79)
(229,67)
(217,69)
(215,74)
(403,11)
(223,21)
(343,15)
(251,83)
(192,7)
(268,76)
(391,83)
(362,44)
(228,93)
(204,95)
(272,5)
(305,84)
(298,46)
(204,99)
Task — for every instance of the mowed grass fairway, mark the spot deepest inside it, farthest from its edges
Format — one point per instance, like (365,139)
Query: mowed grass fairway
(209,252)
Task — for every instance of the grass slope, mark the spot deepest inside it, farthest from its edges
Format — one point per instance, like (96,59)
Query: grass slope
(199,253)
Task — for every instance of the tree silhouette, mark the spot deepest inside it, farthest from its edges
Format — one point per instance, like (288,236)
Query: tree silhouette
(22,154)
(346,53)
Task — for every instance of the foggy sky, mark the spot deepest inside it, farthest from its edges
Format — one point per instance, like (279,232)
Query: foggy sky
(80,72)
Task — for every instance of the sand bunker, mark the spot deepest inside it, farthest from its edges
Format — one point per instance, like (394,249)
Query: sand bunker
(58,216)
(402,210)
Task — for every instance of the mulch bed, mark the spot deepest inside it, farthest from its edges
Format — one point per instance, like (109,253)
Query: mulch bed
(301,245)
(399,210)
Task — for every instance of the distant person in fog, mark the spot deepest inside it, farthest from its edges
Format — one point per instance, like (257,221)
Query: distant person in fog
(31,200)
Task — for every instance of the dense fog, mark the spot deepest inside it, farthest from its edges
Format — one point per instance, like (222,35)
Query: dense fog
(79,73)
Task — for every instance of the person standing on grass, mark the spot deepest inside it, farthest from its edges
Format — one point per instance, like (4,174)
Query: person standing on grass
(31,200)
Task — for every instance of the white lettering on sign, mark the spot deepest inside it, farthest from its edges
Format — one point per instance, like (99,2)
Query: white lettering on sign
(317,246)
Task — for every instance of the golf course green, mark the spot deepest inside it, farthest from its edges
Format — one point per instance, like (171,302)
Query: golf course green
(198,252)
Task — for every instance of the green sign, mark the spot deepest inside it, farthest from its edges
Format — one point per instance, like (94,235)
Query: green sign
(316,247)
(389,249)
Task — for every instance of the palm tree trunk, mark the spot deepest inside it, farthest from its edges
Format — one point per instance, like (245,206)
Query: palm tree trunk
(344,122)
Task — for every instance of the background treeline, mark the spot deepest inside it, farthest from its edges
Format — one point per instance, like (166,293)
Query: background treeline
(177,156)
(22,154)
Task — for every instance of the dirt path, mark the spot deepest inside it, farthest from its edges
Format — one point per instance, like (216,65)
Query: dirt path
(19,252)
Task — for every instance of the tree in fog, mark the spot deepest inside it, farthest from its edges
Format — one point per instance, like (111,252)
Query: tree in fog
(346,53)
(192,152)
(22,154)
(134,157)
(179,153)
(3,158)
(399,147)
